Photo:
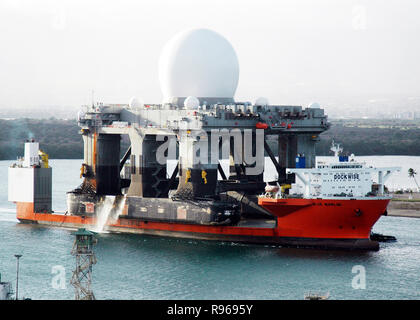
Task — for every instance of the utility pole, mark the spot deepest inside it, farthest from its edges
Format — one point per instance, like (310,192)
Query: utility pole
(17,274)
(85,259)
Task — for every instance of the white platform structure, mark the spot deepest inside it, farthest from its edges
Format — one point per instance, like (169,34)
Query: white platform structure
(29,181)
(341,179)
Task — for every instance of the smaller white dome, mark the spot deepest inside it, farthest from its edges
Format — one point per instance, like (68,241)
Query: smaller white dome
(261,101)
(172,100)
(191,102)
(136,103)
(80,115)
(314,105)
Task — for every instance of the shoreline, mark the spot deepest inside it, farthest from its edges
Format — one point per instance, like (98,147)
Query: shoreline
(404,205)
(404,213)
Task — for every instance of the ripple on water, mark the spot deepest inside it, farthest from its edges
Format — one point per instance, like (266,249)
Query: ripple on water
(144,267)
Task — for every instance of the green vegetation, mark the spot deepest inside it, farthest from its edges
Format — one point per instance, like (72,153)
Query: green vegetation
(372,137)
(61,138)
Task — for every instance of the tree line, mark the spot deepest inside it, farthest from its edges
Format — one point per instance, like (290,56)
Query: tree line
(60,139)
(365,141)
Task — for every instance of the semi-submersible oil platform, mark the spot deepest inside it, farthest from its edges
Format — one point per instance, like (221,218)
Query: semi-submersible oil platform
(200,199)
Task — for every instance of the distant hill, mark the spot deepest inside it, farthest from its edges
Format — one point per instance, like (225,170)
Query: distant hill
(373,137)
(61,138)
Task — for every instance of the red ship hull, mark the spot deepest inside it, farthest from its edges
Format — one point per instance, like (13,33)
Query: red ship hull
(326,218)
(300,222)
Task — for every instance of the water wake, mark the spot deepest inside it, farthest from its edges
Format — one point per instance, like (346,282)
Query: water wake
(108,212)
(8,210)
(7,214)
(8,217)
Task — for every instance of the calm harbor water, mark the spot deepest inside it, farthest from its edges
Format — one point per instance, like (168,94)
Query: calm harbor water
(144,267)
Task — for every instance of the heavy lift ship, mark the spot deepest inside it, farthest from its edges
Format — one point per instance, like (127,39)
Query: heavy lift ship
(198,200)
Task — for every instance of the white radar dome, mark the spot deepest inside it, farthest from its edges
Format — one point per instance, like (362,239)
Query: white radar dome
(261,101)
(314,105)
(135,103)
(191,103)
(199,63)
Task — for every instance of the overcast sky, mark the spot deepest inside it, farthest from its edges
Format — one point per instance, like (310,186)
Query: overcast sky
(57,52)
